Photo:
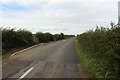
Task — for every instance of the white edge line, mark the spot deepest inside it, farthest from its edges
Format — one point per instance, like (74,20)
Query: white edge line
(26,72)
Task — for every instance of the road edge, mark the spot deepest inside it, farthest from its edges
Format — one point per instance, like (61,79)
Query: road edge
(26,49)
(29,48)
(83,72)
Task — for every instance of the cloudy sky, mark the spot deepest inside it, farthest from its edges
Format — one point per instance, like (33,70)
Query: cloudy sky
(55,16)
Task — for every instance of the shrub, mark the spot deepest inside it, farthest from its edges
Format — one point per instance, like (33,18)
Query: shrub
(104,43)
(12,39)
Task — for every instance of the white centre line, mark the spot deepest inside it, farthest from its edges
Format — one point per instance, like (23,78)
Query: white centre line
(26,72)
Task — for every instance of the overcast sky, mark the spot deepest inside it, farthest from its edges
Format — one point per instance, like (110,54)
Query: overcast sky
(55,16)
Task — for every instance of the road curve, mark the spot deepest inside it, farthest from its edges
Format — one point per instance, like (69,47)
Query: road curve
(53,60)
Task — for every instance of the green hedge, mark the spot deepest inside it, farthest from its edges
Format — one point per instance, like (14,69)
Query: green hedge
(104,44)
(44,37)
(47,37)
(12,39)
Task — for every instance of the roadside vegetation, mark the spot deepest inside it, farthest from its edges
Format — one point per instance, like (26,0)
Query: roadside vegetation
(20,39)
(99,51)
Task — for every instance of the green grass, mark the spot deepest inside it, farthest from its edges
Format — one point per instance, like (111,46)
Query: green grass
(94,66)
(5,56)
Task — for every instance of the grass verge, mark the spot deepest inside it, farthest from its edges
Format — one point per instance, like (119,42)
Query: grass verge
(94,66)
(7,54)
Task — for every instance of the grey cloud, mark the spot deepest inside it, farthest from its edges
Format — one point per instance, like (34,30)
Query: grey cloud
(69,17)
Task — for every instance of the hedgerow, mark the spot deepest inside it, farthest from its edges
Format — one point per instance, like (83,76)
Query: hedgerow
(104,44)
(47,37)
(12,38)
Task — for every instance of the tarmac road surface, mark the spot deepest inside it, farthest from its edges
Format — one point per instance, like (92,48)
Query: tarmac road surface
(52,60)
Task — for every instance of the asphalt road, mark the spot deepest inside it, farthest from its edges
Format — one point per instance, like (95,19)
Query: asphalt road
(52,60)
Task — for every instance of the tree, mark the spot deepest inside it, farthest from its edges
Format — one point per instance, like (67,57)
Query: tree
(62,36)
(40,37)
(48,37)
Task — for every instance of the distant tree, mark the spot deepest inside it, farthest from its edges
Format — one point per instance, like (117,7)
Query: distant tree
(48,37)
(56,37)
(40,36)
(62,36)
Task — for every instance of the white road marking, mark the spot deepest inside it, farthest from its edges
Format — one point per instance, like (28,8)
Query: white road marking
(26,72)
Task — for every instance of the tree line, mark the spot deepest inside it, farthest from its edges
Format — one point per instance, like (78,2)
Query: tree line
(104,44)
(12,38)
